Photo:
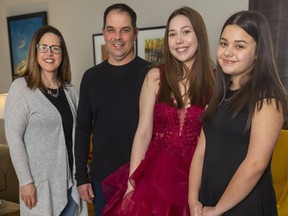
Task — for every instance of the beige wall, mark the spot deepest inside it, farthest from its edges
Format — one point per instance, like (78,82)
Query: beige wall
(78,20)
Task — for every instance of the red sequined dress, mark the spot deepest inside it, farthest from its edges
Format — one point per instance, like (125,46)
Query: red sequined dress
(161,180)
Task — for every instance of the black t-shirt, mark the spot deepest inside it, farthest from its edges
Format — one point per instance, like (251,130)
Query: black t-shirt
(109,109)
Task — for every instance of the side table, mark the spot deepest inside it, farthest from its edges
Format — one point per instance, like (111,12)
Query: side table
(9,208)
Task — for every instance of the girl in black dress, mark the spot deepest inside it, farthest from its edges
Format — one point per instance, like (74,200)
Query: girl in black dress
(230,171)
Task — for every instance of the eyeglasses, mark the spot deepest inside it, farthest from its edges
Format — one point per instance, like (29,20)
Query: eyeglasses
(43,48)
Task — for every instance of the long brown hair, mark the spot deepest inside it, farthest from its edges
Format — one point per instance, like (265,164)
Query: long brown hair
(261,83)
(32,72)
(200,76)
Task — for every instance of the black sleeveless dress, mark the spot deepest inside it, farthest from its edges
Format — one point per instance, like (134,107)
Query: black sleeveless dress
(226,147)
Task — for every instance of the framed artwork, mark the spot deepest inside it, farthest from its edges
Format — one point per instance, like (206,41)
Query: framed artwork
(21,29)
(100,51)
(150,44)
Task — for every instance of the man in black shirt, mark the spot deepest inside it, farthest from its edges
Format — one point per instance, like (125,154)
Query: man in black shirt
(109,106)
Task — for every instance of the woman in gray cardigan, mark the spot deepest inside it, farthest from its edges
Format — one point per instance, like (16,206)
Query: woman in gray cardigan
(40,119)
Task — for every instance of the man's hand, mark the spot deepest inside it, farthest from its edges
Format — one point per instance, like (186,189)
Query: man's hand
(28,195)
(86,192)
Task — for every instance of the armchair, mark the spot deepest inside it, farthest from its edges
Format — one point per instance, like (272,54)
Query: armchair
(279,168)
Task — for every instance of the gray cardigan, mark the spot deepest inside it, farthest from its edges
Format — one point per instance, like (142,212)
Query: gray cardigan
(35,135)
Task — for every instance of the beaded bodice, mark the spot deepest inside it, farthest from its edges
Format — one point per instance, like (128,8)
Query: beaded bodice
(176,131)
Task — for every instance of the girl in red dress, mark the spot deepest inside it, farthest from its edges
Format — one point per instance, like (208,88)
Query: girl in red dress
(173,96)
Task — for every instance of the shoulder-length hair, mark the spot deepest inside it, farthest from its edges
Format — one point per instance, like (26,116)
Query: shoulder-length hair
(200,76)
(261,83)
(32,71)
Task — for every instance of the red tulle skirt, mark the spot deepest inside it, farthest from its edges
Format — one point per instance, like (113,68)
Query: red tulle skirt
(160,187)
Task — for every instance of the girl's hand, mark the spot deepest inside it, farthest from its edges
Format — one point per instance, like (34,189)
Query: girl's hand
(210,211)
(196,208)
(129,188)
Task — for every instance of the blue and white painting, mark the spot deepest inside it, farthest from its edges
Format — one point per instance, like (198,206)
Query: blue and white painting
(20,35)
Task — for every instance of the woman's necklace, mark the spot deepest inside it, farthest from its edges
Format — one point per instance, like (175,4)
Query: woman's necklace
(50,83)
(52,94)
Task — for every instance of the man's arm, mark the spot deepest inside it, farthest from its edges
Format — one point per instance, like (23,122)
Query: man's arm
(83,133)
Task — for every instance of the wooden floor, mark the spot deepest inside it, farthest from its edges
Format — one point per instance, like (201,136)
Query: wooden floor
(90,209)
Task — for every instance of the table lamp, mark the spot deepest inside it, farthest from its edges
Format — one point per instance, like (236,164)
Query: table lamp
(2,105)
(2,110)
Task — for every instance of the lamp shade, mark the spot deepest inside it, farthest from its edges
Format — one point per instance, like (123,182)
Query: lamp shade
(2,105)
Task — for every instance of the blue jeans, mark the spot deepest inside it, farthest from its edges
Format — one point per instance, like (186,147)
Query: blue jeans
(99,200)
(71,206)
